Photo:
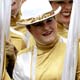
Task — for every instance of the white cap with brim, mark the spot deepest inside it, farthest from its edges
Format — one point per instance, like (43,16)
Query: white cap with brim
(34,11)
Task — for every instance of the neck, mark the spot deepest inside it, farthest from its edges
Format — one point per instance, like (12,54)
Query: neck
(47,46)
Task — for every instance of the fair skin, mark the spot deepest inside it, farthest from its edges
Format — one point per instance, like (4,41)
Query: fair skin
(44,32)
(64,16)
(15,7)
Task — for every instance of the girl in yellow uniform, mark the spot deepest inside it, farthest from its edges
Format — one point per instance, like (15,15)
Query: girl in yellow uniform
(45,60)
(63,18)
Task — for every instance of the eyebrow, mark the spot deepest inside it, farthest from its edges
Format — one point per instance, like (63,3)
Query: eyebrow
(13,3)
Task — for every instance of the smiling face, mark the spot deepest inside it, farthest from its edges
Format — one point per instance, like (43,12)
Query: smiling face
(64,16)
(44,32)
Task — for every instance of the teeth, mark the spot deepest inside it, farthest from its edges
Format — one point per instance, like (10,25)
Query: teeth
(47,33)
(66,14)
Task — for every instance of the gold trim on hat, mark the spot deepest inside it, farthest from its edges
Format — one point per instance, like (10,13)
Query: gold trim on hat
(36,19)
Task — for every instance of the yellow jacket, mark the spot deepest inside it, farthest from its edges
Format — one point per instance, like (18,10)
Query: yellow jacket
(49,63)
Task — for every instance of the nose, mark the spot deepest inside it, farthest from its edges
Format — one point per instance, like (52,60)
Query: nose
(67,6)
(45,25)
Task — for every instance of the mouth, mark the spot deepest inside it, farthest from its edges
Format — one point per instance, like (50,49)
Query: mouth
(66,13)
(47,33)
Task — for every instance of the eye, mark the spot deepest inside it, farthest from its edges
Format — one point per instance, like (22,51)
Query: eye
(71,1)
(37,24)
(60,2)
(13,3)
(49,20)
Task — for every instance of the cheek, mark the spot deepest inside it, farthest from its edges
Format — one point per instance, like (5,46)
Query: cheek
(55,28)
(36,33)
(54,25)
(14,7)
(58,17)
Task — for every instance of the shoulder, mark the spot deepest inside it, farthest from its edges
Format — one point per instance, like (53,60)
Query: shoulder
(22,64)
(25,51)
(24,55)
(60,46)
(63,39)
(62,42)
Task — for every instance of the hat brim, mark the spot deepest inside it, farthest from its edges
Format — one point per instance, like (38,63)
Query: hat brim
(26,22)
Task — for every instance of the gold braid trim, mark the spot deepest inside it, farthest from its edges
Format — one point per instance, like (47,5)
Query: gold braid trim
(31,20)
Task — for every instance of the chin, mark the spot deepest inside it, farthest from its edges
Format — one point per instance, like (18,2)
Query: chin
(49,40)
(66,20)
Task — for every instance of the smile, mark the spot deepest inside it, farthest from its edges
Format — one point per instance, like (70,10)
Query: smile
(47,33)
(66,13)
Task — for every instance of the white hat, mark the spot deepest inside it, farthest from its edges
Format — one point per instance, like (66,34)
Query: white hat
(35,11)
